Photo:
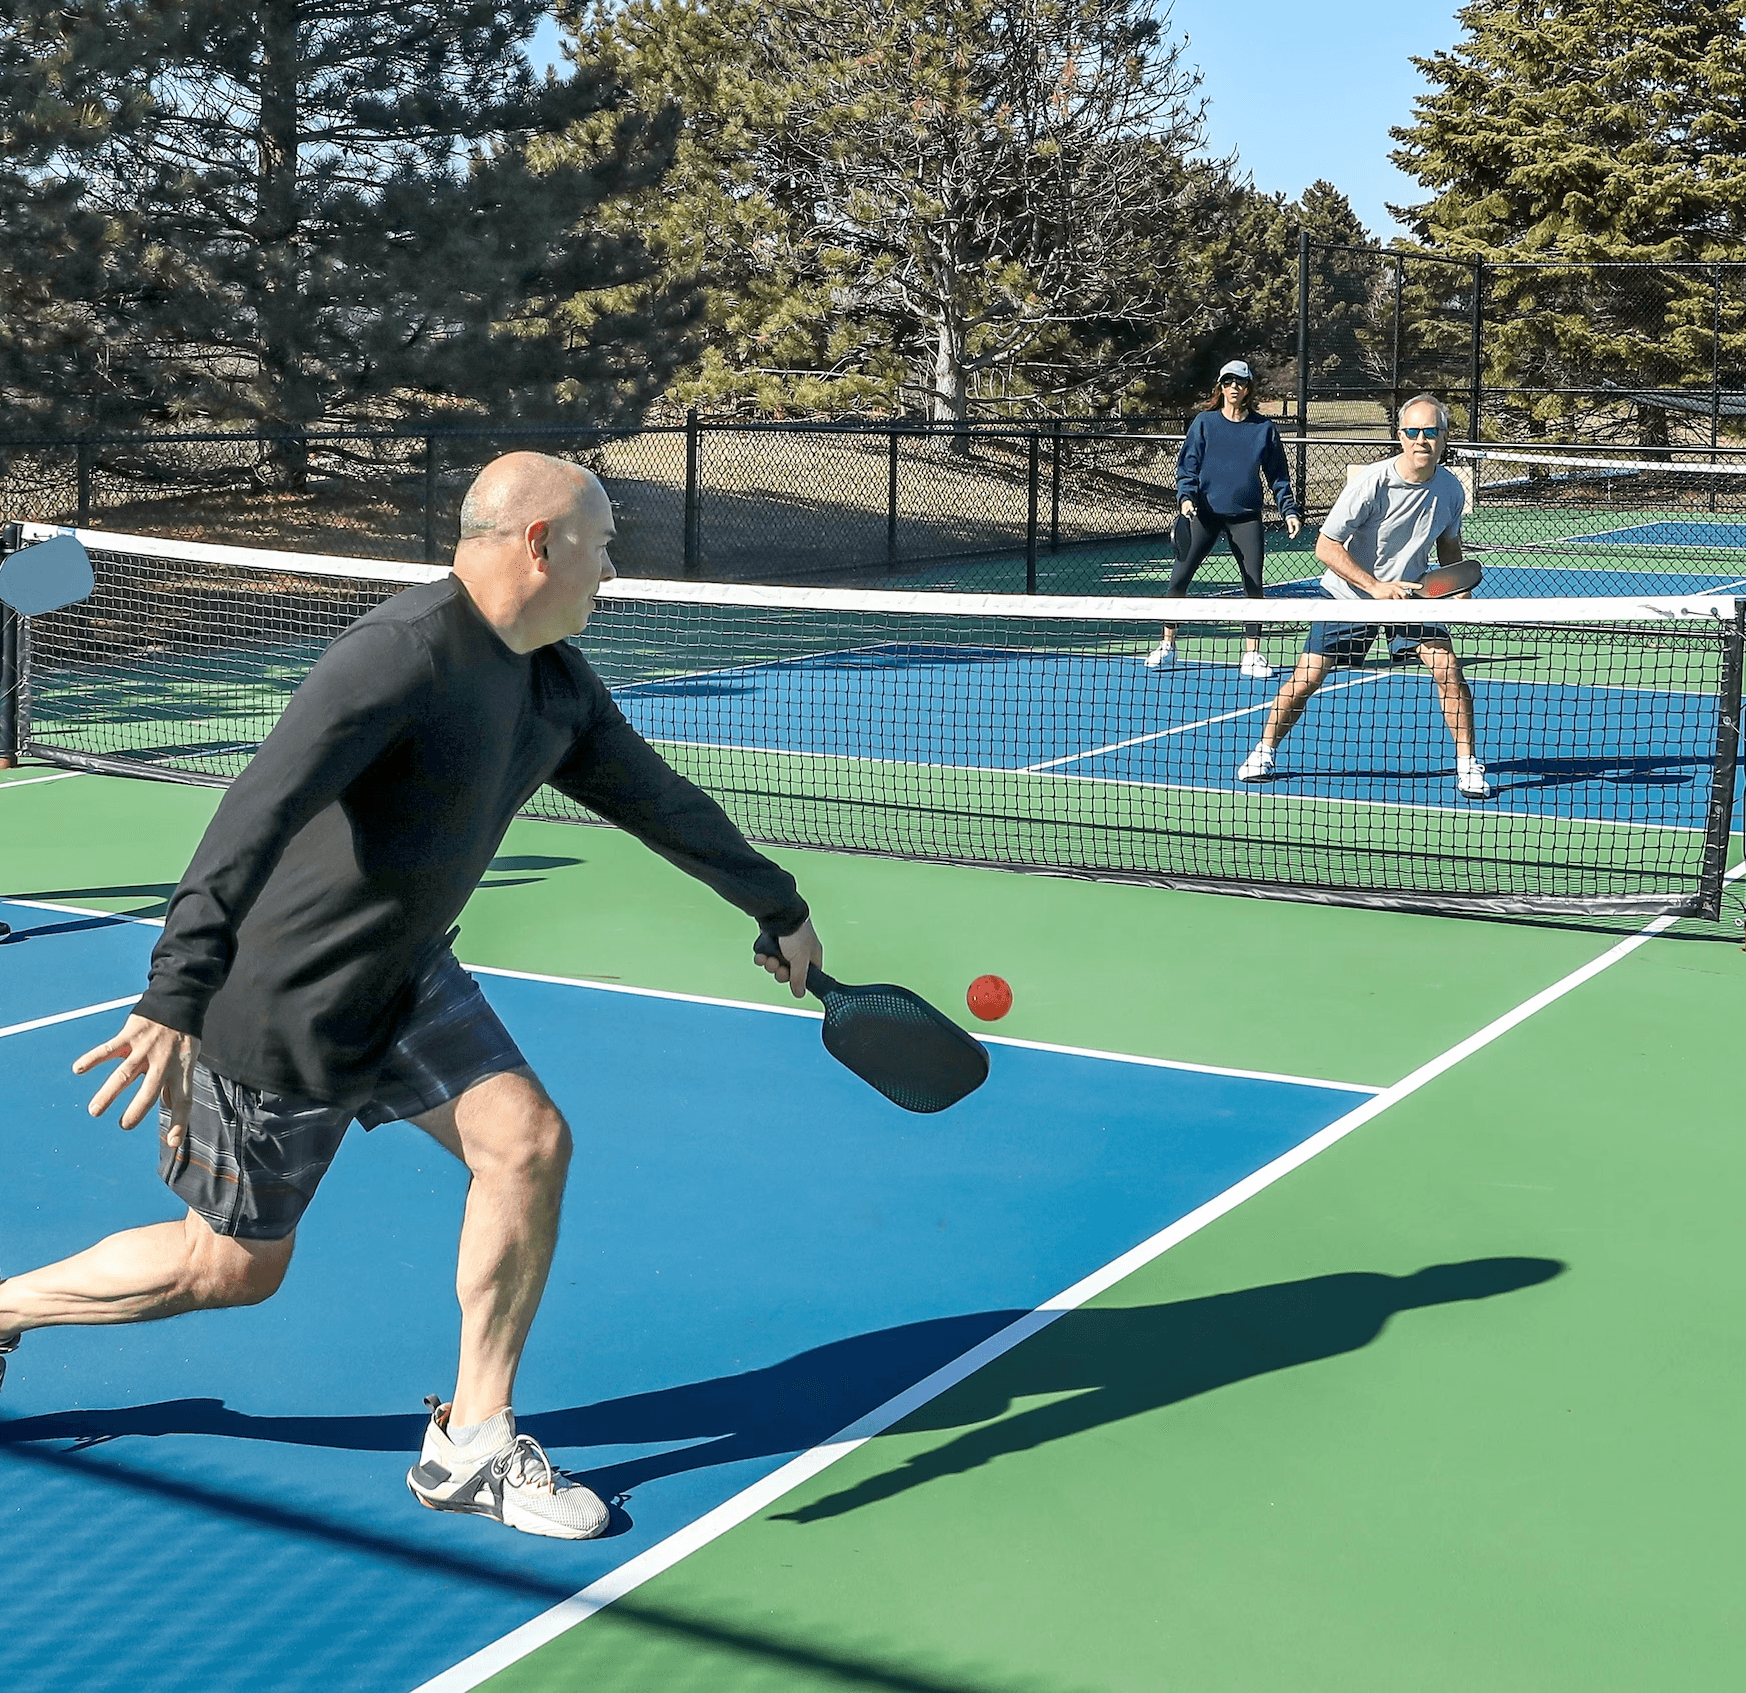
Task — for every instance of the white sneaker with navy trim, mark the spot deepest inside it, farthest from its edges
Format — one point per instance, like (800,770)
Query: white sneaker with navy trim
(504,1475)
(1258,766)
(1470,779)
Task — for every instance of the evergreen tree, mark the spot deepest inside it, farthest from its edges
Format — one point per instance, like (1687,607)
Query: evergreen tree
(335,209)
(52,246)
(908,195)
(1586,134)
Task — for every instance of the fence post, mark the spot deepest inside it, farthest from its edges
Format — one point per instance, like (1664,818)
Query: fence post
(83,452)
(1715,356)
(1303,371)
(1394,354)
(891,503)
(693,563)
(1478,336)
(1055,487)
(1036,454)
(10,664)
(430,489)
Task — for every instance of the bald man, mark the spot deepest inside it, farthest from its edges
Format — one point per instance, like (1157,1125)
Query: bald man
(305,979)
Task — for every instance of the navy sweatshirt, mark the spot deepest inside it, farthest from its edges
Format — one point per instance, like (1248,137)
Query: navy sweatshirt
(346,849)
(1222,464)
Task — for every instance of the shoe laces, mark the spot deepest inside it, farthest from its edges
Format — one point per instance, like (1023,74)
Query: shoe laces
(525,1463)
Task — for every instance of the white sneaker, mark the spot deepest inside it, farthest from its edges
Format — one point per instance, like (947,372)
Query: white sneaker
(504,1475)
(1470,779)
(1257,767)
(1163,653)
(1255,664)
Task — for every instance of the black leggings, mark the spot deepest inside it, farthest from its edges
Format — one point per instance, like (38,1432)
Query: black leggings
(1196,536)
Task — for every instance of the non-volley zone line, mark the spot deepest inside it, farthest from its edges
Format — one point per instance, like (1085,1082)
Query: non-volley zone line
(520,1642)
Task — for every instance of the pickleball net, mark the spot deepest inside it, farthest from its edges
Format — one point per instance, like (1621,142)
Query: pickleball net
(1023,733)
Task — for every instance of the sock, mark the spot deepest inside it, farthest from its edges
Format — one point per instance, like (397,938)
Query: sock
(467,1433)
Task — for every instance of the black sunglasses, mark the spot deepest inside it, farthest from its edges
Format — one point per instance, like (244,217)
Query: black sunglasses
(1233,382)
(1430,431)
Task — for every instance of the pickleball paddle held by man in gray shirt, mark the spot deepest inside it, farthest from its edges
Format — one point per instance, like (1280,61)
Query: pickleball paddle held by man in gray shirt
(304,979)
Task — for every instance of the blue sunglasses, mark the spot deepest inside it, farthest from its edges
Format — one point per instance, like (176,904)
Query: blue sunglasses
(1431,433)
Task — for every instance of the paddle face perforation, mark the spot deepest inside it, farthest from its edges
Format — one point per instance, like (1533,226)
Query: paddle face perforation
(894,1040)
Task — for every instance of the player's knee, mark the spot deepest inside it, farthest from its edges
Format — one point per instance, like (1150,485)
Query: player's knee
(222,1272)
(533,1148)
(549,1143)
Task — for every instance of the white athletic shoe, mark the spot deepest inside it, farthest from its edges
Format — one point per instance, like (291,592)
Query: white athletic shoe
(1255,664)
(1163,653)
(504,1475)
(1470,779)
(1257,767)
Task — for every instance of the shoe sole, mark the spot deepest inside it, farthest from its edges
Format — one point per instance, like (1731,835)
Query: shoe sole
(521,1521)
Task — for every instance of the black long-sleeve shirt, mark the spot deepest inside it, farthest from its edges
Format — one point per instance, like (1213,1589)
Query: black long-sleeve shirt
(348,846)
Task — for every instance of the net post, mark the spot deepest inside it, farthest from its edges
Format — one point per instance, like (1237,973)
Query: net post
(10,664)
(693,564)
(82,455)
(1718,829)
(891,502)
(1055,487)
(1035,457)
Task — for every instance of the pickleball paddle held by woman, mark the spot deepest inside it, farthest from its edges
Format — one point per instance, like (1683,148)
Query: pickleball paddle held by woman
(1229,451)
(305,980)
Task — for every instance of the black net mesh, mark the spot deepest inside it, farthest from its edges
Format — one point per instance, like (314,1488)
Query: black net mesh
(1030,733)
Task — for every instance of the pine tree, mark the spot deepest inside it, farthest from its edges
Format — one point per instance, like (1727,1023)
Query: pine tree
(1585,134)
(337,210)
(897,195)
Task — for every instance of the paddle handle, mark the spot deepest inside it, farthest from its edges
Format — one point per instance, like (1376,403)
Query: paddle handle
(768,946)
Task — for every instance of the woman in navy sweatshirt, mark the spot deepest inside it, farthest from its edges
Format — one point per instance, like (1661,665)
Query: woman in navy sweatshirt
(1228,451)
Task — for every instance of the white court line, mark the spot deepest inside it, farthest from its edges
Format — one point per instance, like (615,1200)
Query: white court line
(1183,728)
(68,1016)
(518,1643)
(80,910)
(992,1040)
(31,781)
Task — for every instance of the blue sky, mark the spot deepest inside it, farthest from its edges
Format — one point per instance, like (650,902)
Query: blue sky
(1301,89)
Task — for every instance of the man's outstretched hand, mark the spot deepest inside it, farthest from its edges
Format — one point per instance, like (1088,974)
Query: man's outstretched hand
(800,951)
(163,1061)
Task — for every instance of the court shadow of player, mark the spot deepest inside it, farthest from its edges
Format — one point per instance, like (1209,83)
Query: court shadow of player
(1118,1363)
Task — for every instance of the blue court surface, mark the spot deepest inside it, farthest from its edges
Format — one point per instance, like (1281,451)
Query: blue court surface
(1672,532)
(1636,754)
(757,1251)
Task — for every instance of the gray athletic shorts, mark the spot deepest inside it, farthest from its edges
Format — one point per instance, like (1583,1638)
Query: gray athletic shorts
(251,1161)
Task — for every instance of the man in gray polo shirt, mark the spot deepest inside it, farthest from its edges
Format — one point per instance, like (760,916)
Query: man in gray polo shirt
(1380,538)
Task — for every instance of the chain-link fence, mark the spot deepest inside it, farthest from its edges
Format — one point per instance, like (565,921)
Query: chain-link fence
(1065,509)
(1645,356)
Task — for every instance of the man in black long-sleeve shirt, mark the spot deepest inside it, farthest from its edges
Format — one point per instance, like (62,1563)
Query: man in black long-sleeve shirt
(304,976)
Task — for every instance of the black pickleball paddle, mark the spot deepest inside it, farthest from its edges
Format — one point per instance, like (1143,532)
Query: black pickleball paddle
(1447,579)
(893,1039)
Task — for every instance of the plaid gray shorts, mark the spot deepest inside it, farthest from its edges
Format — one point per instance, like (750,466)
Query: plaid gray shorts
(251,1161)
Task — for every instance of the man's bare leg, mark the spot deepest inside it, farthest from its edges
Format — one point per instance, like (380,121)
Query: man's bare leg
(1288,704)
(1453,694)
(516,1146)
(144,1274)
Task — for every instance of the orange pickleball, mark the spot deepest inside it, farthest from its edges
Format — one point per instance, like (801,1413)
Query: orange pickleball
(989,998)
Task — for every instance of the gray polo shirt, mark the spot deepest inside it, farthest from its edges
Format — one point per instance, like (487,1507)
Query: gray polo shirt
(1390,525)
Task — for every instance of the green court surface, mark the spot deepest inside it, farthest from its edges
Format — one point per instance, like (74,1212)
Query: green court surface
(1288,1453)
